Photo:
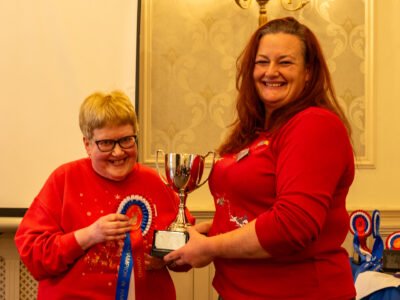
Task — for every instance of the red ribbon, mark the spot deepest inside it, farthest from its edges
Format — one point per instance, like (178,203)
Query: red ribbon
(135,215)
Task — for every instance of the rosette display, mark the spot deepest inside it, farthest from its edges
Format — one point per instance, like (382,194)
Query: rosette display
(140,214)
(362,225)
(393,241)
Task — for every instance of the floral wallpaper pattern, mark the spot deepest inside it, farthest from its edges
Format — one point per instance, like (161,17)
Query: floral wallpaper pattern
(188,57)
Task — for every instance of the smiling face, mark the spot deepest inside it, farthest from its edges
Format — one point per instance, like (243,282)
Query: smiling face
(279,73)
(118,163)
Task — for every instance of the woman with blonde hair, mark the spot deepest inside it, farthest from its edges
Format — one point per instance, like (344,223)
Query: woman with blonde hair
(89,231)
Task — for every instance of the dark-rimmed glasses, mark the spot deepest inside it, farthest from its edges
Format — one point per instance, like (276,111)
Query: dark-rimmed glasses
(125,142)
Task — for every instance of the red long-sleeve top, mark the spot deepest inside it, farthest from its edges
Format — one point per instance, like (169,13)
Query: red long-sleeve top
(73,197)
(294,183)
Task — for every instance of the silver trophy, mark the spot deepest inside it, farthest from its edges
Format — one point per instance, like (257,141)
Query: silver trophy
(183,173)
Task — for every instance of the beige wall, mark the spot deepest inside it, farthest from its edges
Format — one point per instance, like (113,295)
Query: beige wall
(379,187)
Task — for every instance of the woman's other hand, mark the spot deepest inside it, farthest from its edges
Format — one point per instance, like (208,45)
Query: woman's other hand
(196,252)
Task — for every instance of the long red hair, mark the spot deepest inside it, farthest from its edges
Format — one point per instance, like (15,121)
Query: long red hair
(318,91)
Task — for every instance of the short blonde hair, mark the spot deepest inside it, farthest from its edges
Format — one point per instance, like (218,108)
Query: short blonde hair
(106,109)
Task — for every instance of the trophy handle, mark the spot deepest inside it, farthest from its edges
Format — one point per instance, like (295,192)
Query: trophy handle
(163,179)
(212,165)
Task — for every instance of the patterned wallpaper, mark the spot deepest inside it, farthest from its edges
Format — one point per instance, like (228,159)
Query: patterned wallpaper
(189,50)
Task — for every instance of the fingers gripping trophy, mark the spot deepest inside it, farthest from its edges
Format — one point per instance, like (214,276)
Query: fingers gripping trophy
(183,173)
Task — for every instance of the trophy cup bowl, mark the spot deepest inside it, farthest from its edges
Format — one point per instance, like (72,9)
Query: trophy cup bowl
(183,173)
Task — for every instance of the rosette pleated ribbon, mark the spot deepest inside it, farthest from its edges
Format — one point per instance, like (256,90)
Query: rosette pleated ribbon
(393,241)
(131,273)
(361,226)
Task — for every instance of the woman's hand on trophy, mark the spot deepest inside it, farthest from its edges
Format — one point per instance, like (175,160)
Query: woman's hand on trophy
(153,263)
(197,252)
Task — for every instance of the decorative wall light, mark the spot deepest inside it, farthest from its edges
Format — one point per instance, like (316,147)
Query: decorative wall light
(286,4)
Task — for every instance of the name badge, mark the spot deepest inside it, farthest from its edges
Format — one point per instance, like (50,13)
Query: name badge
(242,154)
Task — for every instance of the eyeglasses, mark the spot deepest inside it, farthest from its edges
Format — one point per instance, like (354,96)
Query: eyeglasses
(125,142)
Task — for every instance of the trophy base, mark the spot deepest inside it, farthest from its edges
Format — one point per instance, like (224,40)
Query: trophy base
(165,241)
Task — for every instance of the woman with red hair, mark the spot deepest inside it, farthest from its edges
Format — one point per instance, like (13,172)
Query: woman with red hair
(281,182)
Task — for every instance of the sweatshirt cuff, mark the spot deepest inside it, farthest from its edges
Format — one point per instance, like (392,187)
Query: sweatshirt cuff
(70,247)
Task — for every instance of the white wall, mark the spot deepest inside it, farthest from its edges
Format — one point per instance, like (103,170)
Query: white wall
(53,55)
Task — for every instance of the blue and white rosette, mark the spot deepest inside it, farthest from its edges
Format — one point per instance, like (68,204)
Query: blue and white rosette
(139,210)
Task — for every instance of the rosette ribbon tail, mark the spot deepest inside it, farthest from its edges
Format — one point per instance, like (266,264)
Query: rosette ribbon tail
(131,275)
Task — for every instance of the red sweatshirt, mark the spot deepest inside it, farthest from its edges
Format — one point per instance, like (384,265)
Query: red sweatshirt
(294,184)
(74,197)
